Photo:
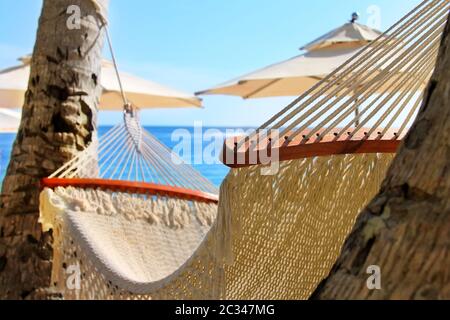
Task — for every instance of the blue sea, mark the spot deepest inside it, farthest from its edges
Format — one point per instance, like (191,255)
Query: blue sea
(215,172)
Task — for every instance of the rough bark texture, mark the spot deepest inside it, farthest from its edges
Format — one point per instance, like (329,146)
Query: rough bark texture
(405,230)
(58,121)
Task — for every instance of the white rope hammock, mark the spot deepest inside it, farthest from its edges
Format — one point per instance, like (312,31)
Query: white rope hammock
(132,210)
(329,151)
(138,226)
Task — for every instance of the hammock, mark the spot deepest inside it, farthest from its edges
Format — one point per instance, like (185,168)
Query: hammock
(136,226)
(130,219)
(125,216)
(300,180)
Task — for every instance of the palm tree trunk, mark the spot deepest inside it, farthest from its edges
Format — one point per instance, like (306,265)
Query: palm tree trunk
(58,121)
(405,230)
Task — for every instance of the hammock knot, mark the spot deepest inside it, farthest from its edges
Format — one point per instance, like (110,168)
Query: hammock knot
(133,127)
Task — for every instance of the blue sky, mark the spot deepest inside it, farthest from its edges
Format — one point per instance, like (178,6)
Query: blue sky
(195,44)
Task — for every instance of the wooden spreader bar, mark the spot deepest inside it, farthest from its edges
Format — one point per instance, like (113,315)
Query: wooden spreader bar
(132,188)
(237,154)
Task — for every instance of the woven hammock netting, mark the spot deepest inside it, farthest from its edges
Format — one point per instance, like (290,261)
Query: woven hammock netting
(137,225)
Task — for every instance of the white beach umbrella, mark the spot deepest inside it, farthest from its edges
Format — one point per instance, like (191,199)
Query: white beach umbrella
(350,33)
(288,78)
(140,92)
(9,120)
(296,75)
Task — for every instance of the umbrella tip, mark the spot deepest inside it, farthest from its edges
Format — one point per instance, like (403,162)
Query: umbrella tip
(355,17)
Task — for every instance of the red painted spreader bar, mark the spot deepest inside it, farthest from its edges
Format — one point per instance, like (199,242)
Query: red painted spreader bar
(249,153)
(132,187)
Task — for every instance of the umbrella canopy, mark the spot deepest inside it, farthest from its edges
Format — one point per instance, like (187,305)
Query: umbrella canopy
(350,33)
(288,78)
(140,92)
(296,75)
(9,120)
